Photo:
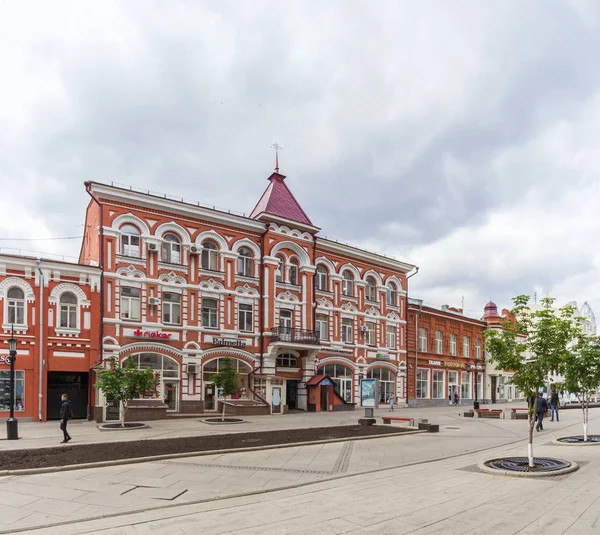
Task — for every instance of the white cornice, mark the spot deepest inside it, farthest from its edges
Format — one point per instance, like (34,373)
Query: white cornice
(65,268)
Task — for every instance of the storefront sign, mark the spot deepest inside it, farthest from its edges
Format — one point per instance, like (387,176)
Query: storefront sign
(228,342)
(4,359)
(447,364)
(151,334)
(382,356)
(338,350)
(435,363)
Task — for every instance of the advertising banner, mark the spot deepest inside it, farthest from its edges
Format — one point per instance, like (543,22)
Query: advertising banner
(369,393)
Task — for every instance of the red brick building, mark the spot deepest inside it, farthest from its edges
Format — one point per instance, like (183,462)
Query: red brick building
(444,350)
(52,309)
(185,285)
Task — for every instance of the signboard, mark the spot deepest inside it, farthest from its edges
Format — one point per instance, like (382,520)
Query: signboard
(151,334)
(326,382)
(4,359)
(228,342)
(435,363)
(382,356)
(369,393)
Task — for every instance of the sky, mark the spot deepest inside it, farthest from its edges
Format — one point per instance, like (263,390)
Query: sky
(460,136)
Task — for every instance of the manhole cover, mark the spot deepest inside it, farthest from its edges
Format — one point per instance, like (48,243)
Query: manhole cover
(579,439)
(521,464)
(251,440)
(451,427)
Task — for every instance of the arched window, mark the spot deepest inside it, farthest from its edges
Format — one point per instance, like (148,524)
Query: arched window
(321,279)
(244,262)
(16,305)
(286,360)
(342,377)
(294,271)
(371,289)
(392,294)
(171,248)
(210,256)
(347,283)
(68,311)
(130,240)
(387,382)
(280,269)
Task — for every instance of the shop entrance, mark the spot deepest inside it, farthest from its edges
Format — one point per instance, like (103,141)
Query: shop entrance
(171,395)
(210,398)
(75,385)
(452,386)
(291,396)
(494,387)
(324,398)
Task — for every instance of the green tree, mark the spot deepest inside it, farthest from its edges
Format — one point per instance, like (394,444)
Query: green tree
(582,373)
(225,380)
(124,382)
(531,344)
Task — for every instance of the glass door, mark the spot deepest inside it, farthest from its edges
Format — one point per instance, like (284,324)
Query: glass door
(276,399)
(171,395)
(452,386)
(210,397)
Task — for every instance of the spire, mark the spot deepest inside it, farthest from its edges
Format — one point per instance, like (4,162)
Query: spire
(277,147)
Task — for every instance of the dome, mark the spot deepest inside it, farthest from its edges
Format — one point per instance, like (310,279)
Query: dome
(490,310)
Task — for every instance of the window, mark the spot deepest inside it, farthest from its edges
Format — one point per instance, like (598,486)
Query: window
(294,272)
(478,349)
(210,256)
(342,377)
(171,249)
(323,326)
(392,295)
(422,383)
(171,308)
(130,303)
(391,336)
(423,340)
(465,385)
(286,361)
(130,240)
(347,331)
(210,308)
(347,284)
(245,318)
(16,305)
(371,289)
(68,310)
(5,391)
(244,262)
(453,345)
(387,382)
(370,333)
(280,269)
(285,319)
(438,384)
(321,279)
(466,344)
(438,342)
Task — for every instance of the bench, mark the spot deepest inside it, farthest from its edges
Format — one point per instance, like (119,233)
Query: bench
(489,413)
(388,420)
(519,413)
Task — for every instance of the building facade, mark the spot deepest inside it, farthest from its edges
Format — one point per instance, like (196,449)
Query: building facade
(445,356)
(49,307)
(185,286)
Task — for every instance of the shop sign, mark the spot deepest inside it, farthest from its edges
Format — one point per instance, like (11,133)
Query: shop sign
(326,382)
(4,359)
(454,365)
(338,350)
(435,363)
(369,393)
(151,334)
(228,342)
(382,356)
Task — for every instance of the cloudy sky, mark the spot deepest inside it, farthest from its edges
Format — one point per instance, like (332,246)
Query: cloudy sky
(462,136)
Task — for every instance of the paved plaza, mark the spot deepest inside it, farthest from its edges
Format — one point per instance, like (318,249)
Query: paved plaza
(421,483)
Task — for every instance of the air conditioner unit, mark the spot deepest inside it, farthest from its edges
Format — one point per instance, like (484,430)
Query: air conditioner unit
(363,329)
(194,249)
(153,301)
(152,247)
(192,369)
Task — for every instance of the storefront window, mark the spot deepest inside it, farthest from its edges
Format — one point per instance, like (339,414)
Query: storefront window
(438,384)
(5,391)
(342,377)
(422,384)
(387,383)
(465,385)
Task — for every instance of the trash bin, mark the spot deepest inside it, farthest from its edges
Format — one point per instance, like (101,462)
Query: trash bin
(476,405)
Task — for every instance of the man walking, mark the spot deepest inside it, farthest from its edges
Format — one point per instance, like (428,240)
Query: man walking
(65,415)
(391,400)
(554,405)
(541,406)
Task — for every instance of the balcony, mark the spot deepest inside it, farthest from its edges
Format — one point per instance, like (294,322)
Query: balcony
(297,336)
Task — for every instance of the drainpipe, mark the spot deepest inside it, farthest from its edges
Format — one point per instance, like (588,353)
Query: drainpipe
(41,341)
(88,188)
(261,279)
(416,337)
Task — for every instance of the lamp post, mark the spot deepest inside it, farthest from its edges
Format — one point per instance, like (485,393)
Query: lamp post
(12,425)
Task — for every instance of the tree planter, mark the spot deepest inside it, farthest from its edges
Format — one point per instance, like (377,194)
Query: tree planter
(223,421)
(592,440)
(519,467)
(129,426)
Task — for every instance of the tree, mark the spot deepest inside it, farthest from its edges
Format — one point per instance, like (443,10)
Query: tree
(124,382)
(226,380)
(531,344)
(582,373)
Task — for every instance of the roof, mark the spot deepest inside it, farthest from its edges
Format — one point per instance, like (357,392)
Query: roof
(278,200)
(318,379)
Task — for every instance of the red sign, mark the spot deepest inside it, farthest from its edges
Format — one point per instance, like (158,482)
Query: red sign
(151,334)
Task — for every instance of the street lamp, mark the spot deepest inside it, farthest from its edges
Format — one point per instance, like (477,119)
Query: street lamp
(12,425)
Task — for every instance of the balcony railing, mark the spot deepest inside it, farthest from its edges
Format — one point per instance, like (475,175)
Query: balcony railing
(299,336)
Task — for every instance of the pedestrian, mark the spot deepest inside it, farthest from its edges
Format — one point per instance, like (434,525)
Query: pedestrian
(391,403)
(456,398)
(541,406)
(65,415)
(554,405)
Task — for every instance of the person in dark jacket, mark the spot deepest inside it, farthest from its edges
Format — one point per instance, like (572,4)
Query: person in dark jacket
(65,415)
(554,405)
(541,406)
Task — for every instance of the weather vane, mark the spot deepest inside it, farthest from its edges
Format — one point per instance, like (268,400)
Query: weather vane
(277,147)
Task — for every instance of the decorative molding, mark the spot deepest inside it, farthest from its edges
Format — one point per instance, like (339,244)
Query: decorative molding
(140,347)
(287,231)
(175,229)
(300,252)
(245,242)
(210,284)
(348,307)
(9,282)
(216,352)
(246,289)
(211,235)
(172,278)
(130,219)
(288,297)
(63,287)
(372,311)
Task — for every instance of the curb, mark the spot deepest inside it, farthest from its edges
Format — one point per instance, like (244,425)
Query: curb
(137,460)
(508,473)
